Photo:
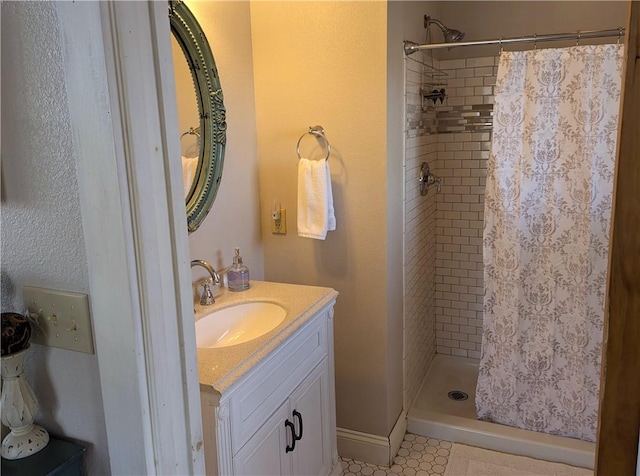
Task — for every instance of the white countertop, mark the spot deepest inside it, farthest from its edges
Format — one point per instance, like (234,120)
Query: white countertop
(220,368)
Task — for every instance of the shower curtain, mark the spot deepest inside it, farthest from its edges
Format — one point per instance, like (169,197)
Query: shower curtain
(546,238)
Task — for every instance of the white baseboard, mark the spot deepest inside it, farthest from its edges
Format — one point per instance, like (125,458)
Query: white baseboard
(370,448)
(397,436)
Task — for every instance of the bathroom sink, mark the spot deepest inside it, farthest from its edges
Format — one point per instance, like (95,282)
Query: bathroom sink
(237,324)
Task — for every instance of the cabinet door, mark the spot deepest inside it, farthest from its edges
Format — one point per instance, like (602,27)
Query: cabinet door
(310,415)
(265,452)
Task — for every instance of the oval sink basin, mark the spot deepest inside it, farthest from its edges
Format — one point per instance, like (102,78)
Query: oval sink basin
(237,324)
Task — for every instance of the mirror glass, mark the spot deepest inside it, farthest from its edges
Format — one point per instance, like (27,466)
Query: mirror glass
(201,113)
(188,117)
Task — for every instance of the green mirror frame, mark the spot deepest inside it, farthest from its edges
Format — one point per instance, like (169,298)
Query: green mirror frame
(213,125)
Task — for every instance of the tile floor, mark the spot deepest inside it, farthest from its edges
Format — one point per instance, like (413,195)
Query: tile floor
(418,456)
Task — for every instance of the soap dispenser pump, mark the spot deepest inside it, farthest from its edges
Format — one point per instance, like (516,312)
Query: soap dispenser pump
(238,274)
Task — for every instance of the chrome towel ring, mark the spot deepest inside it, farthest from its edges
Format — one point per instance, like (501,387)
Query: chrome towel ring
(192,132)
(317,131)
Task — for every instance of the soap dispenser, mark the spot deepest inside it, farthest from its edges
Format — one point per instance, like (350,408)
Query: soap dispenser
(238,274)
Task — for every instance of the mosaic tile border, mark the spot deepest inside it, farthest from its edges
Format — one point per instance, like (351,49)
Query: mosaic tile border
(473,118)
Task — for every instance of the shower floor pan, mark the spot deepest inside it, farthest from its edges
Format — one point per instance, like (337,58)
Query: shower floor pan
(435,414)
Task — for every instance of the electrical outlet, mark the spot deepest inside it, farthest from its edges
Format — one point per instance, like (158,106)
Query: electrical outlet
(279,225)
(62,316)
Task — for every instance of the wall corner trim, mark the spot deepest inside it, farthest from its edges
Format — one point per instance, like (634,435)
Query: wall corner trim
(370,448)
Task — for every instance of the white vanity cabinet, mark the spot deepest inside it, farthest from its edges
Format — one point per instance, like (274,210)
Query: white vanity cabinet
(295,440)
(279,417)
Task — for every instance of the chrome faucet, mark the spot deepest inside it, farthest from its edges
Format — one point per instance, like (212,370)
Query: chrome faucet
(206,298)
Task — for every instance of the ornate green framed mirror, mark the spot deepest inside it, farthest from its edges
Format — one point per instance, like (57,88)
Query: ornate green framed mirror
(202,172)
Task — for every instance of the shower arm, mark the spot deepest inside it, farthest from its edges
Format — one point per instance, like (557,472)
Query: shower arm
(428,21)
(450,35)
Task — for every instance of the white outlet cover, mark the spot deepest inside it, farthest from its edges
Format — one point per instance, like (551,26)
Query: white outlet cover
(63,318)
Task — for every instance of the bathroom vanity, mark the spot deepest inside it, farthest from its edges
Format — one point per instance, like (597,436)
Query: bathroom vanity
(268,404)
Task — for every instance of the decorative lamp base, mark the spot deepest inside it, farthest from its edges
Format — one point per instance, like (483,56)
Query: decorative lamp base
(23,442)
(19,407)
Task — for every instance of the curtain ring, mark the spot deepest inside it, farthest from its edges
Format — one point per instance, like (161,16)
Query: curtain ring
(535,41)
(501,47)
(578,40)
(619,34)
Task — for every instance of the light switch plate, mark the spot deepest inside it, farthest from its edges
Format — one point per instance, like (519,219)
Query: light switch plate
(62,316)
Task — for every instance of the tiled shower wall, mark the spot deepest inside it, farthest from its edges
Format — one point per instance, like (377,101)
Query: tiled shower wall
(464,138)
(419,236)
(443,266)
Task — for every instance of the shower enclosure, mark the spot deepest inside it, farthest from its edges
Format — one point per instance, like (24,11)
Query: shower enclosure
(444,288)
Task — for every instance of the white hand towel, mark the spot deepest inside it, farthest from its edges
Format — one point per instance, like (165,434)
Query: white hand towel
(315,199)
(189,166)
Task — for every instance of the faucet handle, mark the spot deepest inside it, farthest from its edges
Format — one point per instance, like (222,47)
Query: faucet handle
(206,299)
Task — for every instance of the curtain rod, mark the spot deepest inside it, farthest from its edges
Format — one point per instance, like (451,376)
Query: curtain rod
(410,47)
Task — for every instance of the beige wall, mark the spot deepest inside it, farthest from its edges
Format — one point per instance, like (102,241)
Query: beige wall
(325,63)
(234,218)
(493,19)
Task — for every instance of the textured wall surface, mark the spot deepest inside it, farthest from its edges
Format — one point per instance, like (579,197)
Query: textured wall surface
(41,234)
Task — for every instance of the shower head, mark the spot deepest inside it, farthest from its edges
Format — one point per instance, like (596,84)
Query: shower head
(450,35)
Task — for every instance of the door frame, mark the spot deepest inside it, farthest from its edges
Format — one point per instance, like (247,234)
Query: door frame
(122,106)
(619,413)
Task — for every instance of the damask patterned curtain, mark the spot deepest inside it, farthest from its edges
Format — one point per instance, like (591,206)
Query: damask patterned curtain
(546,239)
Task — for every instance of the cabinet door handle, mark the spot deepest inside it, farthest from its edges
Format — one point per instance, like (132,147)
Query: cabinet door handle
(299,416)
(289,425)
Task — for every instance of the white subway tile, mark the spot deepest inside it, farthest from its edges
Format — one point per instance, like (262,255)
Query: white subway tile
(469,346)
(460,337)
(459,352)
(474,82)
(484,71)
(482,61)
(480,154)
(467,282)
(463,155)
(475,100)
(465,91)
(483,91)
(469,249)
(452,64)
(463,207)
(457,101)
(454,313)
(460,83)
(452,327)
(466,73)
